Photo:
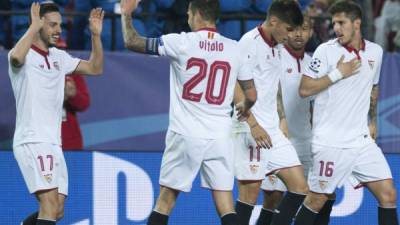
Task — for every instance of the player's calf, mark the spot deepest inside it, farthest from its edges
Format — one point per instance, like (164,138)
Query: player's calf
(248,194)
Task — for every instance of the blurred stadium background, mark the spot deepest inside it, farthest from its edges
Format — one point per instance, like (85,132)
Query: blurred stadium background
(114,180)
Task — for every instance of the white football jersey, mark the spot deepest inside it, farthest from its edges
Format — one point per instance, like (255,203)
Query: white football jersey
(297,109)
(38,88)
(204,69)
(265,64)
(340,116)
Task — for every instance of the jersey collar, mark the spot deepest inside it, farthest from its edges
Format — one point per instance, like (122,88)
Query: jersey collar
(40,51)
(208,29)
(270,42)
(357,52)
(294,54)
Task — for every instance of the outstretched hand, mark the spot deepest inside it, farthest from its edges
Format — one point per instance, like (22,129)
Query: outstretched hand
(128,6)
(37,22)
(96,21)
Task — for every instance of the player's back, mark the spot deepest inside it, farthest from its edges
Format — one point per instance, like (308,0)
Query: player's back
(204,69)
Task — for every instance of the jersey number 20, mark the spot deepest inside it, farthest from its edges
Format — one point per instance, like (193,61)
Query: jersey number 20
(224,67)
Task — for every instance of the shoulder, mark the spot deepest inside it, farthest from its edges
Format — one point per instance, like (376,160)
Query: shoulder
(250,36)
(373,47)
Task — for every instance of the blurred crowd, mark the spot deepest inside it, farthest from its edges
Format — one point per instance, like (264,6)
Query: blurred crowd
(156,17)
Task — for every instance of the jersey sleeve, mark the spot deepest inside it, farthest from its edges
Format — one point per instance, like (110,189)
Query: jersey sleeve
(170,45)
(318,66)
(247,60)
(378,69)
(69,63)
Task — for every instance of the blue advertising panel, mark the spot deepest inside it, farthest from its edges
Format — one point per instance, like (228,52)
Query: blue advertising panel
(120,188)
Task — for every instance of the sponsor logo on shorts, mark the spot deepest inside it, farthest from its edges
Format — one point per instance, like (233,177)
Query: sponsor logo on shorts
(323,184)
(254,168)
(48,177)
(272,179)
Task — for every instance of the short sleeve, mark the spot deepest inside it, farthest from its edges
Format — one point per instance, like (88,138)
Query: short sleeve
(318,66)
(170,45)
(69,63)
(247,60)
(378,69)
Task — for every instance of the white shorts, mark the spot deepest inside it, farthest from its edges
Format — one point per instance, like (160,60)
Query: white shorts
(250,161)
(43,166)
(273,183)
(303,150)
(333,166)
(185,156)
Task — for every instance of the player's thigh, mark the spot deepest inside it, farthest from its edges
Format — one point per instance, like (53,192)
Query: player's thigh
(371,165)
(181,161)
(62,171)
(303,150)
(281,158)
(217,169)
(250,161)
(273,183)
(39,166)
(331,168)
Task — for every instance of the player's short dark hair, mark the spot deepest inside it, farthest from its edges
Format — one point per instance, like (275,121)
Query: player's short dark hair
(351,9)
(46,7)
(286,10)
(208,9)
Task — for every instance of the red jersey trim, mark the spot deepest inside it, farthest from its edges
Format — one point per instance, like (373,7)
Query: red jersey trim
(208,29)
(270,42)
(42,53)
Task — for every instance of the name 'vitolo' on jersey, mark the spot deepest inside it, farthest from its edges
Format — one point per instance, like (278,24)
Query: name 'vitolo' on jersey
(203,72)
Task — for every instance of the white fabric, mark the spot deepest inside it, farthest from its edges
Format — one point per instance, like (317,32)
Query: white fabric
(250,161)
(340,112)
(39,95)
(365,164)
(42,166)
(265,64)
(199,106)
(273,183)
(185,156)
(297,109)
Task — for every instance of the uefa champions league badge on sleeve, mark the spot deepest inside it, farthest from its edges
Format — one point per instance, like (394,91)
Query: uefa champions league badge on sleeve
(315,64)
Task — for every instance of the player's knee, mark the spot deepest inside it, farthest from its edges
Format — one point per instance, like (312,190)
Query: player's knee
(315,201)
(248,192)
(388,197)
(60,212)
(49,206)
(300,188)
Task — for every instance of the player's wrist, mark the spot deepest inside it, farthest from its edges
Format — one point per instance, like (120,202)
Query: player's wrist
(335,75)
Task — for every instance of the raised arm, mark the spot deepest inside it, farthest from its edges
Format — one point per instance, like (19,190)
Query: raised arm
(132,40)
(311,86)
(94,66)
(373,112)
(20,50)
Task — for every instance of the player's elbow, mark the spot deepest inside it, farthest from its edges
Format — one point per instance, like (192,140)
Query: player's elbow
(304,92)
(16,60)
(251,96)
